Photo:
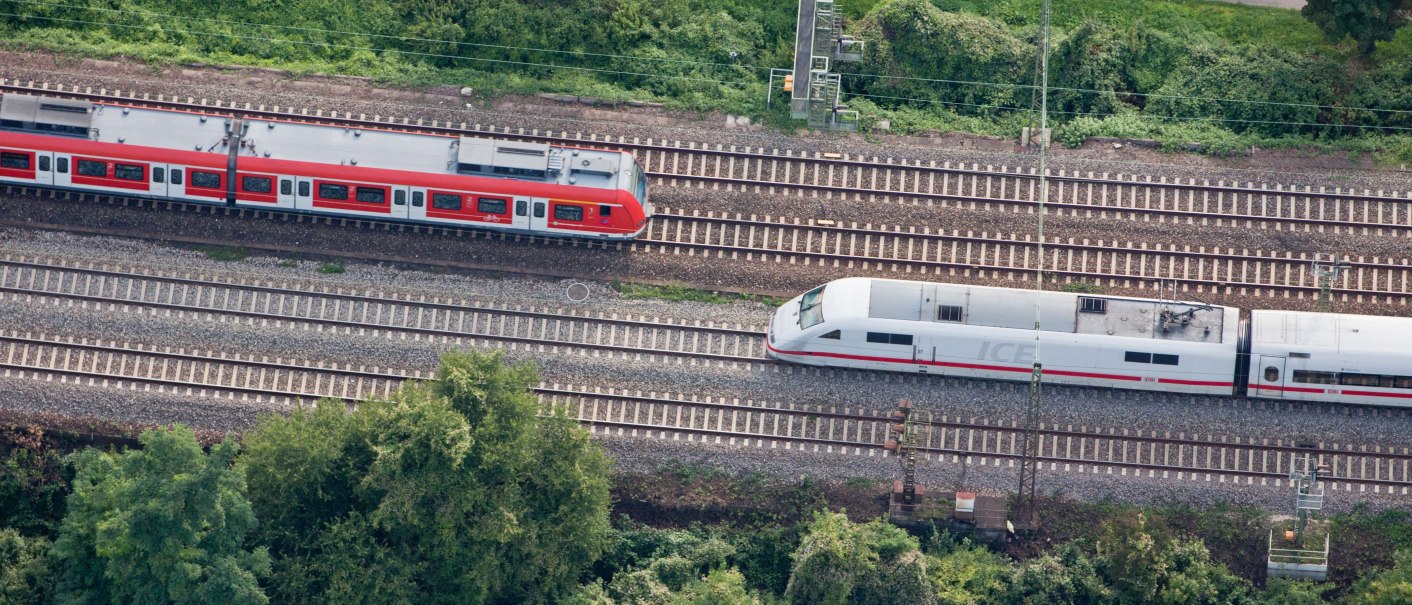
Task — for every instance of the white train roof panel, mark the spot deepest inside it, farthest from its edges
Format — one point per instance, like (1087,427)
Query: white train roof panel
(351,146)
(163,129)
(1301,330)
(1009,308)
(325,144)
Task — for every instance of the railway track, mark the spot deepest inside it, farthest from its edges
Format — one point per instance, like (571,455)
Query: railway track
(857,432)
(895,250)
(838,176)
(378,313)
(1012,257)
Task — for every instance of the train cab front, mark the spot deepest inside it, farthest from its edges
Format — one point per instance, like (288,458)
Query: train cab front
(793,324)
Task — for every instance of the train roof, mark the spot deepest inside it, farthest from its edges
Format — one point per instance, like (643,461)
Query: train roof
(372,148)
(1303,331)
(1011,308)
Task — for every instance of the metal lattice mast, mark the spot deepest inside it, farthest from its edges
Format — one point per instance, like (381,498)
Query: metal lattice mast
(1029,437)
(1326,267)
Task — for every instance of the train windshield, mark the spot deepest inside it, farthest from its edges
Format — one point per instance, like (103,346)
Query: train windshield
(640,187)
(811,308)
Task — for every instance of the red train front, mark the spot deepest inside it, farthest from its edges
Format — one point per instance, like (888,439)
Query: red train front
(298,167)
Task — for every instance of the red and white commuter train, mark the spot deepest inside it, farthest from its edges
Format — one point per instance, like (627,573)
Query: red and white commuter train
(1097,340)
(320,169)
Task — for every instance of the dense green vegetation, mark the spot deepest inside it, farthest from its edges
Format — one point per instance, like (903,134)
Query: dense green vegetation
(1224,76)
(461,490)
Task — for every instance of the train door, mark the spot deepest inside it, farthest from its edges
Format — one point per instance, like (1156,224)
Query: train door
(519,219)
(286,192)
(176,181)
(62,171)
(157,183)
(44,172)
(923,354)
(304,193)
(399,202)
(1270,376)
(417,208)
(539,214)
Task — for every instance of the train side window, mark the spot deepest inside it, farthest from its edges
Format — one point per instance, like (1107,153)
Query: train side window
(16,161)
(304,189)
(539,210)
(445,201)
(520,207)
(1314,377)
(44,163)
(417,198)
(371,195)
(1136,357)
(286,187)
(491,205)
(1402,382)
(176,176)
(605,211)
(333,192)
(256,184)
(399,198)
(890,339)
(91,168)
(159,175)
(129,172)
(1272,374)
(205,180)
(834,335)
(1092,305)
(1358,380)
(948,313)
(1164,359)
(64,165)
(565,212)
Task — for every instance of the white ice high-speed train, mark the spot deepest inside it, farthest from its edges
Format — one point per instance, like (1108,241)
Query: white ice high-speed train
(1097,340)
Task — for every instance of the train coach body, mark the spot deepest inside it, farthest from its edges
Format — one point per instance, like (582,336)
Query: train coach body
(320,169)
(984,332)
(1358,359)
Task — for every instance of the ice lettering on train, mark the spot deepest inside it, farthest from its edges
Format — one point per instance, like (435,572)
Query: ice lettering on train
(1006,351)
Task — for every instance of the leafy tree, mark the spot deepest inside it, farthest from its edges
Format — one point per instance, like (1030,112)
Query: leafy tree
(24,569)
(163,524)
(1144,565)
(877,562)
(1063,576)
(720,587)
(1279,591)
(456,491)
(830,562)
(33,485)
(1388,587)
(1366,21)
(968,575)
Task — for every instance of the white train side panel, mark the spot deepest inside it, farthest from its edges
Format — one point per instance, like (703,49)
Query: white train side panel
(1358,359)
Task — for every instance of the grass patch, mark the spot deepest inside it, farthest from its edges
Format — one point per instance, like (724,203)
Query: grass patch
(224,253)
(1081,287)
(287,264)
(677,293)
(331,268)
